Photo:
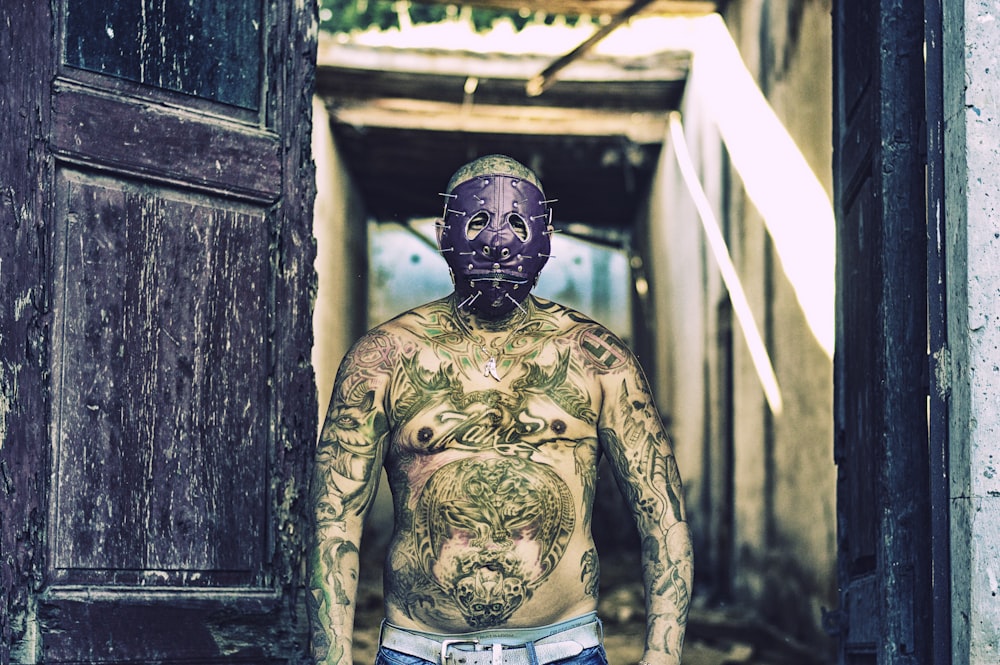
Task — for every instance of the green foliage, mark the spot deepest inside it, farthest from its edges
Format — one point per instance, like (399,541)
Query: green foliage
(350,15)
(345,16)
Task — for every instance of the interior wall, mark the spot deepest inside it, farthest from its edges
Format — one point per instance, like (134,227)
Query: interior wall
(972,239)
(340,317)
(762,502)
(685,295)
(787,46)
(340,228)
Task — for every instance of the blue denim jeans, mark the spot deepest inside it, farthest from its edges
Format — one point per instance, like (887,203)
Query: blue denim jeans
(513,636)
(591,656)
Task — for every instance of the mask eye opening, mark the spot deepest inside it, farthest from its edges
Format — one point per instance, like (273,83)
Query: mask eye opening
(476,224)
(518,225)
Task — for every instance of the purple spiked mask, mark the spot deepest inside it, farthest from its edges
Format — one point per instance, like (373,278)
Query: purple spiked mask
(495,238)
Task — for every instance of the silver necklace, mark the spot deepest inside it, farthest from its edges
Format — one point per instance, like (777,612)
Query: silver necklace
(489,368)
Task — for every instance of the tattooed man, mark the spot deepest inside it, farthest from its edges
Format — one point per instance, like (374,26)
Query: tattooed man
(489,410)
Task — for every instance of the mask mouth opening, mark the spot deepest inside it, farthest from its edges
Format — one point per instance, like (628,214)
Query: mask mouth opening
(495,276)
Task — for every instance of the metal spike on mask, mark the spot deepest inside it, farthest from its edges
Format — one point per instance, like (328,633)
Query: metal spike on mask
(446,197)
(510,297)
(469,300)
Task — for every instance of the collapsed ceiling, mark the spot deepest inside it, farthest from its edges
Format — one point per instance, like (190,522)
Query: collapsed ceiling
(405,117)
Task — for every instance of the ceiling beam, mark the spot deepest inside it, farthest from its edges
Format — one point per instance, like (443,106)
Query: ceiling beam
(541,82)
(501,119)
(350,73)
(594,8)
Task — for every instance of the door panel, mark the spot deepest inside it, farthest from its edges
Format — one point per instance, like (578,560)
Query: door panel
(860,459)
(859,407)
(182,413)
(211,50)
(140,137)
(161,399)
(165,627)
(880,365)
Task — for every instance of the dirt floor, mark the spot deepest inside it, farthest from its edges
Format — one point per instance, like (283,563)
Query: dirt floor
(714,636)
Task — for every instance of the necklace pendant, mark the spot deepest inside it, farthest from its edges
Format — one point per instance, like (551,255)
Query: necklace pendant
(490,368)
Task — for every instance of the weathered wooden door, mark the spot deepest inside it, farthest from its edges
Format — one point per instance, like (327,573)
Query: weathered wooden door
(880,367)
(177,277)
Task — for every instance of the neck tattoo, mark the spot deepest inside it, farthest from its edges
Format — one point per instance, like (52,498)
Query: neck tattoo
(489,368)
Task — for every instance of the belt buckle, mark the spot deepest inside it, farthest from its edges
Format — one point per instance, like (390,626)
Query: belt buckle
(449,643)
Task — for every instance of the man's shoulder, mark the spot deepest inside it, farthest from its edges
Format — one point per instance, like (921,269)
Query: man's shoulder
(599,347)
(384,346)
(567,320)
(412,322)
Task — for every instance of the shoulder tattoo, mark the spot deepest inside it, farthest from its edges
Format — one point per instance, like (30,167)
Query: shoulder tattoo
(602,349)
(375,354)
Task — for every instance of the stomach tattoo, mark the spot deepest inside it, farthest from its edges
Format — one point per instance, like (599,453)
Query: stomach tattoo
(491,530)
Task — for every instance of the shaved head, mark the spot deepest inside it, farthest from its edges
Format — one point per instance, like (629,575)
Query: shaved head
(493,165)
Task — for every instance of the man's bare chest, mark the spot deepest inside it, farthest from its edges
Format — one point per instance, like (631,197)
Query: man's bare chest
(448,405)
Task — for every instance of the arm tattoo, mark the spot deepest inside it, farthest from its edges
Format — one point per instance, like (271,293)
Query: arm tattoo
(344,482)
(646,470)
(664,566)
(669,579)
(354,432)
(645,466)
(590,572)
(339,558)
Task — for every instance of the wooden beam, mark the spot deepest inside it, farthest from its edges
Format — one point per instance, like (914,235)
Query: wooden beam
(347,73)
(504,119)
(592,7)
(539,83)
(667,63)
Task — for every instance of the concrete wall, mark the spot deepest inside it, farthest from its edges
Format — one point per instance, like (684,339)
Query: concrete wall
(340,228)
(972,227)
(341,311)
(761,485)
(789,561)
(685,293)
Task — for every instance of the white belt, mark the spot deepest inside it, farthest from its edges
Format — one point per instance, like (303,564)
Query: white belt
(459,651)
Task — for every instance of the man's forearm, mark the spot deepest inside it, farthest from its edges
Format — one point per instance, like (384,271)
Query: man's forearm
(332,594)
(667,576)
